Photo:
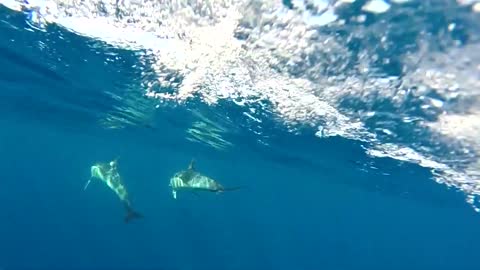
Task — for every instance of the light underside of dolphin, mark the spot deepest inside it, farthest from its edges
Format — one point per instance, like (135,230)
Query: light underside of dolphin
(109,175)
(197,182)
(192,180)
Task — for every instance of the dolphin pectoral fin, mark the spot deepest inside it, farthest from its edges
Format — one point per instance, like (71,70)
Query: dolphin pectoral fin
(86,184)
(131,214)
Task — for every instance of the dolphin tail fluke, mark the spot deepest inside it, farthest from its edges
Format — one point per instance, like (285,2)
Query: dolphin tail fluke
(131,214)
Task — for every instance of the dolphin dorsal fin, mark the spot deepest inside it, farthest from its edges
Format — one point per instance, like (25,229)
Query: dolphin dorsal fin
(191,166)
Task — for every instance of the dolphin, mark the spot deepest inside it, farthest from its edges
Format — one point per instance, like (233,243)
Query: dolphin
(192,180)
(108,174)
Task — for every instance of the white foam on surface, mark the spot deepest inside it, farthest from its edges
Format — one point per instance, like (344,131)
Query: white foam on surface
(376,6)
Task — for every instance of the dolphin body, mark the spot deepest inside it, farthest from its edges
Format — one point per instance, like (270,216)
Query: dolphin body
(108,174)
(192,180)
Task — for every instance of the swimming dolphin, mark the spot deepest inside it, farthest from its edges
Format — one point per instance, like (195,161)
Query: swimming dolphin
(108,174)
(192,180)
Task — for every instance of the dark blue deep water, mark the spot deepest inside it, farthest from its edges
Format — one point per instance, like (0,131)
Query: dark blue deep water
(307,204)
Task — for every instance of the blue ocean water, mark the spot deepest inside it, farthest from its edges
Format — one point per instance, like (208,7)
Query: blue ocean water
(308,203)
